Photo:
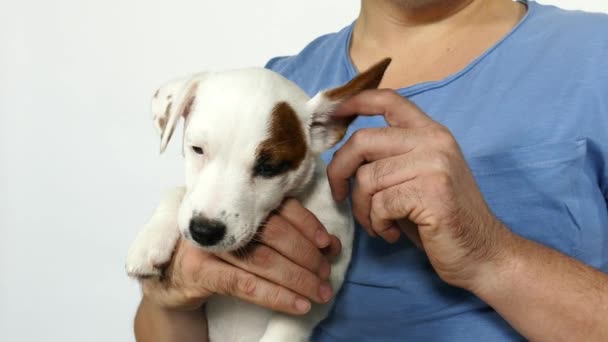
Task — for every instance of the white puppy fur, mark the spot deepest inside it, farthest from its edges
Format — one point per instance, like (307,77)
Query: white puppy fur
(251,139)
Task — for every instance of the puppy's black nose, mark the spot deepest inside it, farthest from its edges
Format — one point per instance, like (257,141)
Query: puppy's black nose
(207,232)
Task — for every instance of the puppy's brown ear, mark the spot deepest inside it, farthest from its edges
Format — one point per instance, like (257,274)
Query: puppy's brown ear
(327,130)
(173,100)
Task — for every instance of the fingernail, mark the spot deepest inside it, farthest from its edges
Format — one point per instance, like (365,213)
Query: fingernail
(321,238)
(324,270)
(302,305)
(325,292)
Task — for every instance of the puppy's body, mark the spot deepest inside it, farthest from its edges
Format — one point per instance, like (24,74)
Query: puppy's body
(251,138)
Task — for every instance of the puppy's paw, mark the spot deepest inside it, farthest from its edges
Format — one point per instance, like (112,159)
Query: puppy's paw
(150,253)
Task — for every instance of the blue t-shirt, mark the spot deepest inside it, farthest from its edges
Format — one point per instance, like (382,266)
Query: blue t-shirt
(531,116)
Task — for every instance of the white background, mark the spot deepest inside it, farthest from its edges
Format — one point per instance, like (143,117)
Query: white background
(79,163)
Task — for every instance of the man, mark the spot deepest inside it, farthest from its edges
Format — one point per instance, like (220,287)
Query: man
(495,171)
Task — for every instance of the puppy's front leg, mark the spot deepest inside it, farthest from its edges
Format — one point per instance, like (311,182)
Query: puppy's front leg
(154,245)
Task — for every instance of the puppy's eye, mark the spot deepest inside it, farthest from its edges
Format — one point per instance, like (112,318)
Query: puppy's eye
(197,150)
(267,169)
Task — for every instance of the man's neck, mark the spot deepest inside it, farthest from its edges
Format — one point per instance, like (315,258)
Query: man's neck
(428,39)
(391,17)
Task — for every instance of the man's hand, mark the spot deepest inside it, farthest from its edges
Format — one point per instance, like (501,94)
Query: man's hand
(411,177)
(283,272)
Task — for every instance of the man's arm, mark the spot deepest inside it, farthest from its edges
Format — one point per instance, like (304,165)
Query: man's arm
(170,310)
(413,171)
(156,324)
(546,295)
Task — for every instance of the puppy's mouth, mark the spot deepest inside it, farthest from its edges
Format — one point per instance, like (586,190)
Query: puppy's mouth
(248,247)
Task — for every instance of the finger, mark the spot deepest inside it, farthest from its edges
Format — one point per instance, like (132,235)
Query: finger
(267,263)
(303,218)
(282,236)
(396,109)
(223,278)
(368,145)
(379,175)
(305,222)
(411,231)
(334,248)
(382,174)
(391,234)
(232,281)
(397,202)
(182,285)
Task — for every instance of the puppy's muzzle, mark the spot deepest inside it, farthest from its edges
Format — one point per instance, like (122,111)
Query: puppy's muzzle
(207,232)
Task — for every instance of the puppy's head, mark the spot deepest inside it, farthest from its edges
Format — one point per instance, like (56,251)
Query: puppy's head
(251,138)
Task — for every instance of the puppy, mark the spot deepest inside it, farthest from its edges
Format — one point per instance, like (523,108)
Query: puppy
(251,139)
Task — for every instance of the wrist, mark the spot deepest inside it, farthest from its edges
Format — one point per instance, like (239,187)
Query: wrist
(153,322)
(495,274)
(170,311)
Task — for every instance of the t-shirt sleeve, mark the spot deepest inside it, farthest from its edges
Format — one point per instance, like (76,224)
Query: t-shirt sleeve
(276,63)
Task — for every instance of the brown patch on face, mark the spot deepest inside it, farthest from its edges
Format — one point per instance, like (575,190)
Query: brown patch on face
(369,79)
(285,147)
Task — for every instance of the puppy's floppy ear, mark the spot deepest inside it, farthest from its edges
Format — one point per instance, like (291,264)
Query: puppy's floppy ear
(173,100)
(163,101)
(327,130)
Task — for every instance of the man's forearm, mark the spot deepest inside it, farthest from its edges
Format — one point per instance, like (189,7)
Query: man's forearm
(155,324)
(548,296)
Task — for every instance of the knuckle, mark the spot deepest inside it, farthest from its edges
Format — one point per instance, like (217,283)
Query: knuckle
(227,284)
(441,162)
(386,94)
(363,176)
(441,136)
(378,205)
(191,294)
(299,280)
(274,298)
(246,284)
(441,181)
(360,137)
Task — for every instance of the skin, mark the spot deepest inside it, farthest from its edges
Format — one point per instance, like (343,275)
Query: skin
(421,188)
